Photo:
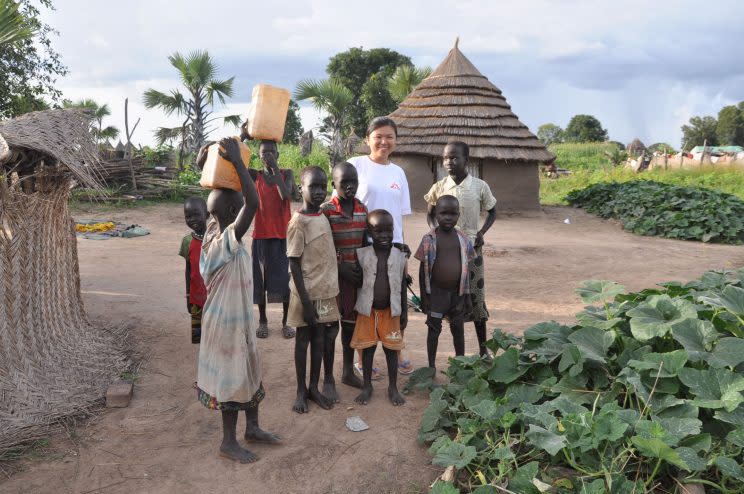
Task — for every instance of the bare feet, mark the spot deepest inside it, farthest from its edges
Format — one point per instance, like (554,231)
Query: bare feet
(395,396)
(300,405)
(321,400)
(258,435)
(329,390)
(234,452)
(364,396)
(350,379)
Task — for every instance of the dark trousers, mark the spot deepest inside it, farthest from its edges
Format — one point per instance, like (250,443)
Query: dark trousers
(445,303)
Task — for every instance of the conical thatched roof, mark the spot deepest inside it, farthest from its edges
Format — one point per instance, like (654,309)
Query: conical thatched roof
(458,102)
(636,147)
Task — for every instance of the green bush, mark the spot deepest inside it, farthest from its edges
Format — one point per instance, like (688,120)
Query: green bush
(642,394)
(652,208)
(290,157)
(159,156)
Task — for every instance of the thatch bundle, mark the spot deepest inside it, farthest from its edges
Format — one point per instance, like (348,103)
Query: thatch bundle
(457,101)
(636,147)
(53,361)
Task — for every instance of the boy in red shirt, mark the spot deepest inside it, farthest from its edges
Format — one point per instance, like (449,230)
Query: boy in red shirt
(269,248)
(195,214)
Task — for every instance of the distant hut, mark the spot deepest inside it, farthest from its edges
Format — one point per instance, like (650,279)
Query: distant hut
(53,361)
(636,147)
(458,102)
(120,150)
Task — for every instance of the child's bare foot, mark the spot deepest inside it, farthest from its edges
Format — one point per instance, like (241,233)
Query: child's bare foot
(322,401)
(234,452)
(364,396)
(395,396)
(300,405)
(258,435)
(329,390)
(350,379)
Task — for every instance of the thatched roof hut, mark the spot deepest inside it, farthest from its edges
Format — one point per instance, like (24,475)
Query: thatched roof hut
(53,361)
(458,102)
(636,147)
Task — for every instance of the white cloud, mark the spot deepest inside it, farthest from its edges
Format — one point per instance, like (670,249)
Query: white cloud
(642,69)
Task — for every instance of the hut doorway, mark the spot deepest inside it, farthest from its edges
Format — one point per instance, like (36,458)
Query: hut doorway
(438,171)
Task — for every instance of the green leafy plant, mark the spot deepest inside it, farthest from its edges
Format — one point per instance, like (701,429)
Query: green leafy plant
(642,394)
(651,208)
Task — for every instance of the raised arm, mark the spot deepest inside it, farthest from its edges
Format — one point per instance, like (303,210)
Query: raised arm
(231,152)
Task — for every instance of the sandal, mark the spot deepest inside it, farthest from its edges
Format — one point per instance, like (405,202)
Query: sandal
(405,367)
(263,330)
(376,373)
(288,332)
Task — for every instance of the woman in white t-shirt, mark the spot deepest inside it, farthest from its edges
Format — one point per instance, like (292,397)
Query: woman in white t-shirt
(383,185)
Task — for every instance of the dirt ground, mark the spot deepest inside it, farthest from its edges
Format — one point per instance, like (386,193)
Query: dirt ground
(165,441)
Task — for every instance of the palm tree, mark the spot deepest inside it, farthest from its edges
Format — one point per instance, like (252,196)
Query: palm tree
(334,99)
(13,26)
(99,112)
(198,74)
(616,156)
(405,79)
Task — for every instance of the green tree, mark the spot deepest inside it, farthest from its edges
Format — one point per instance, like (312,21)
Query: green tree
(584,128)
(661,147)
(13,26)
(700,130)
(195,105)
(730,126)
(405,79)
(355,69)
(293,128)
(334,99)
(29,66)
(99,112)
(550,133)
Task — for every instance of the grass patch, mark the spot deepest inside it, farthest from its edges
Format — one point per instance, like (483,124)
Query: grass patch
(723,179)
(582,155)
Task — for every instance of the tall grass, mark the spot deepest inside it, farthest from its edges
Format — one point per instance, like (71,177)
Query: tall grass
(290,157)
(581,155)
(724,179)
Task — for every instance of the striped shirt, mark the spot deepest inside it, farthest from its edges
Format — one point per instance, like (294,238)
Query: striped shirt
(348,231)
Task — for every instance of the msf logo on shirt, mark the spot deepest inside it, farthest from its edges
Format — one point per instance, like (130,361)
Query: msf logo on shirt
(395,186)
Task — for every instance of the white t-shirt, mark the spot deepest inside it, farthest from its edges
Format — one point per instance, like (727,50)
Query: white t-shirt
(383,187)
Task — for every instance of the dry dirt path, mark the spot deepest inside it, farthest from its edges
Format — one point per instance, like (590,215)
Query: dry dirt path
(166,441)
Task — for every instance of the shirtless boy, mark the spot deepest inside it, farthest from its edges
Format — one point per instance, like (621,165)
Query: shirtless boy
(382,309)
(444,253)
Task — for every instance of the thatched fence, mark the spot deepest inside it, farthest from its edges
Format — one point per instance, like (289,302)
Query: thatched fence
(53,361)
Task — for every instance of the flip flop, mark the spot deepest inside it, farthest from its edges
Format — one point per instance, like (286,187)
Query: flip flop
(288,332)
(405,367)
(263,330)
(376,373)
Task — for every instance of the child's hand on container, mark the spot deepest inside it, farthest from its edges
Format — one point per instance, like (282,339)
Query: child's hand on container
(201,157)
(244,135)
(231,152)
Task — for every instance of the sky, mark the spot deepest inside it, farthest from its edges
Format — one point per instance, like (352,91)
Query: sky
(642,68)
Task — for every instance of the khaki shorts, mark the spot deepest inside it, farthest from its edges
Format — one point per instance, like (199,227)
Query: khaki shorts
(378,326)
(327,311)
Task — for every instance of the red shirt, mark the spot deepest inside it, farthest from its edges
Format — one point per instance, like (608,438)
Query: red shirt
(197,290)
(273,212)
(348,231)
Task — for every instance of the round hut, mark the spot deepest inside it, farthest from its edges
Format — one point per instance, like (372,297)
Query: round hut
(636,147)
(53,361)
(458,102)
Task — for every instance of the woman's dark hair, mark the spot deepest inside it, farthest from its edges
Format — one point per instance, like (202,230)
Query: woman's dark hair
(379,122)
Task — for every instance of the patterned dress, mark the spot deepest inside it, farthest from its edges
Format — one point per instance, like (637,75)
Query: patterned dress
(229,374)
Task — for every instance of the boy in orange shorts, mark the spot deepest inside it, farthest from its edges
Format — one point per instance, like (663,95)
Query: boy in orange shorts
(382,309)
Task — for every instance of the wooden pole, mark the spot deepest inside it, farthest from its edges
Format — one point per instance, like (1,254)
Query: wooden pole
(702,155)
(129,142)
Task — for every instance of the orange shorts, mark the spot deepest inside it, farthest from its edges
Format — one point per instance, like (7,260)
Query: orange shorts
(378,326)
